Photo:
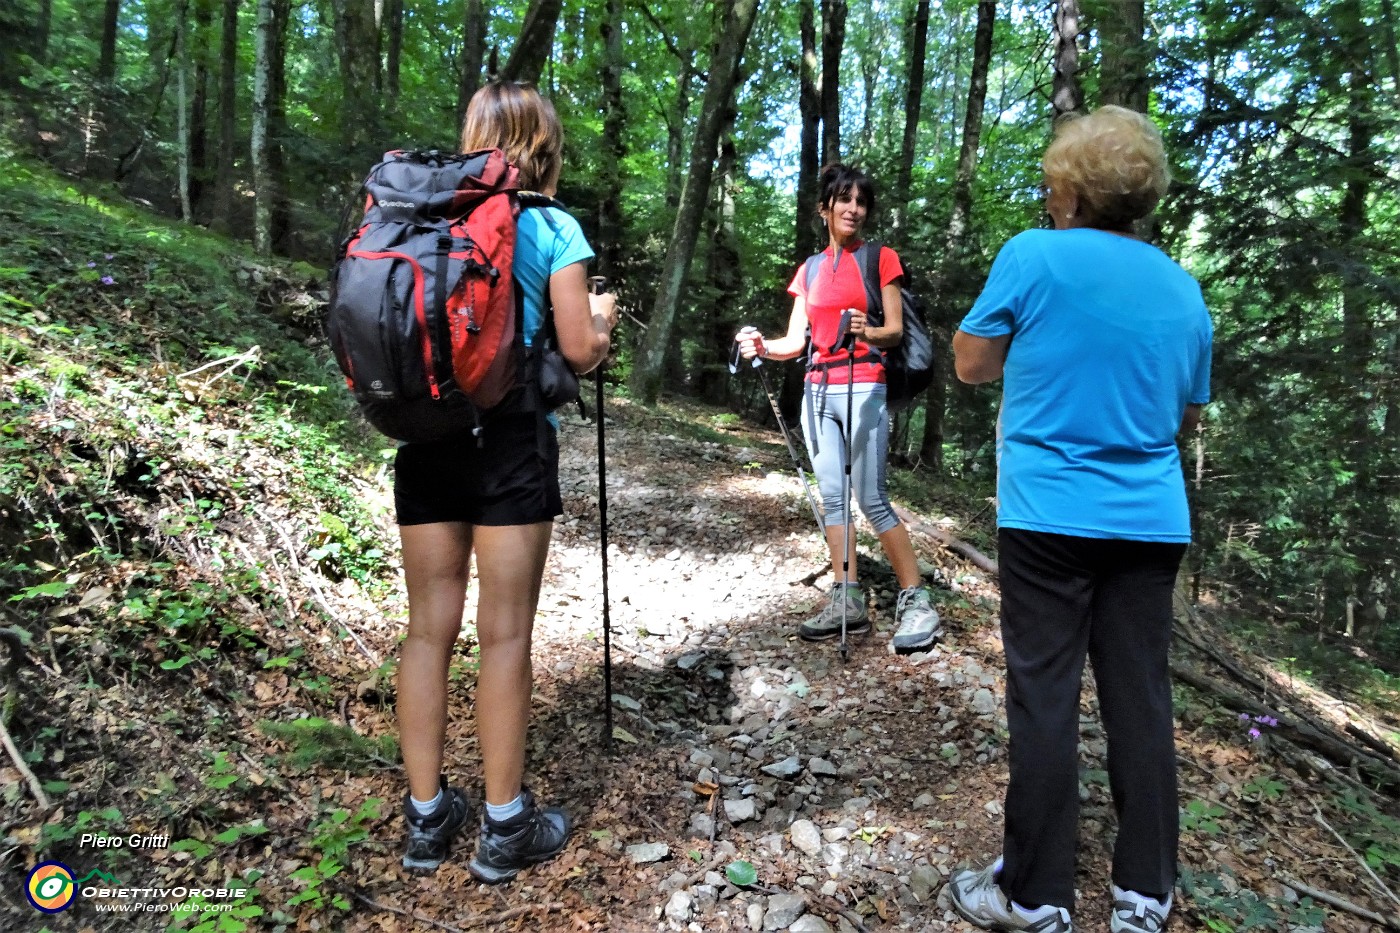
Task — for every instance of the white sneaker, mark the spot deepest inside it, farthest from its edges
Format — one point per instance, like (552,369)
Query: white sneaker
(1138,913)
(977,896)
(918,621)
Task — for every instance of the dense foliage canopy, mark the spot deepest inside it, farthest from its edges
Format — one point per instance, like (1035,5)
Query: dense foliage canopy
(1283,120)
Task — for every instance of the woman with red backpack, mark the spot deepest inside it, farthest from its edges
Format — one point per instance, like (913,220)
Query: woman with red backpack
(495,496)
(844,415)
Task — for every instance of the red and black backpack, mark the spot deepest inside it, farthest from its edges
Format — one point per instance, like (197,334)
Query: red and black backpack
(425,317)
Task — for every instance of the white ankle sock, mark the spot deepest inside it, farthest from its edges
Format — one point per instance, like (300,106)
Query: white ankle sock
(502,812)
(425,807)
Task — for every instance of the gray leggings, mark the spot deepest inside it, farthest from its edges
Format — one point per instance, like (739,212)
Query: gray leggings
(823,426)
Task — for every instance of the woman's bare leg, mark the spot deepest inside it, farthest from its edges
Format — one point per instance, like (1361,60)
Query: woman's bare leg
(509,563)
(436,563)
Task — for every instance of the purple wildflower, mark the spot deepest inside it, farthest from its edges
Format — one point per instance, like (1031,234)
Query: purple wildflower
(108,280)
(92,265)
(107,256)
(1244,717)
(1253,734)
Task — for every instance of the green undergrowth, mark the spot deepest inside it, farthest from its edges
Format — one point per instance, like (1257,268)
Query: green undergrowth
(187,509)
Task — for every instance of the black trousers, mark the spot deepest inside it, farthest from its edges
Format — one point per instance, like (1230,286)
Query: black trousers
(1062,598)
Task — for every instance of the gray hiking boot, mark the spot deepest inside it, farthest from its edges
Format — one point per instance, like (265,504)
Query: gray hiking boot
(429,837)
(919,626)
(536,835)
(827,623)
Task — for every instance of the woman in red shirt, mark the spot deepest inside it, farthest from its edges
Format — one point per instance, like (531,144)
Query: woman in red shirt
(824,299)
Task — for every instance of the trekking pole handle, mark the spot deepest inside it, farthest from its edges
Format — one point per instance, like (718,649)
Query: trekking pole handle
(597,284)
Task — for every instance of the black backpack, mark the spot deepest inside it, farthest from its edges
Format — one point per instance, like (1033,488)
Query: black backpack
(425,318)
(908,364)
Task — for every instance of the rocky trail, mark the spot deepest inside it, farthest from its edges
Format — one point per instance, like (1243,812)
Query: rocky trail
(854,788)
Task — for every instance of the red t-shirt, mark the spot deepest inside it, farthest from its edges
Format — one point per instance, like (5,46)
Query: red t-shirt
(838,285)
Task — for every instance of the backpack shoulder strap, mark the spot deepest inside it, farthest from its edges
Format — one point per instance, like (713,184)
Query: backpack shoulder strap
(868,255)
(810,268)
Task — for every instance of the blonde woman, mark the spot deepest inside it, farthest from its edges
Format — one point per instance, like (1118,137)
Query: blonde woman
(497,499)
(1104,345)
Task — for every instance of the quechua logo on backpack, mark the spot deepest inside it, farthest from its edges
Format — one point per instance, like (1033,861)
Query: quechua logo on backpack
(423,319)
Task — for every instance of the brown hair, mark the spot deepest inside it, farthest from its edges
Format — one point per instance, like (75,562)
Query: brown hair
(517,120)
(1113,160)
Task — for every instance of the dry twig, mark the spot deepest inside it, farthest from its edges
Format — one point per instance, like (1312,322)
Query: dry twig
(1374,877)
(389,908)
(34,786)
(1340,903)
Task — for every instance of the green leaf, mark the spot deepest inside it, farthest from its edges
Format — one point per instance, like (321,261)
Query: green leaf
(741,874)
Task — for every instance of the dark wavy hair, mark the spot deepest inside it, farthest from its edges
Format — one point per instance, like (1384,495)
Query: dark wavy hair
(838,180)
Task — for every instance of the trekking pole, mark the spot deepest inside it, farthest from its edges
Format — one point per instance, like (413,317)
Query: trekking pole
(597,285)
(848,341)
(757,364)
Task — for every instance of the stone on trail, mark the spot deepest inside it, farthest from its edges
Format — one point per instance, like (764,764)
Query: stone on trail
(738,811)
(755,916)
(924,801)
(810,923)
(923,880)
(783,911)
(789,767)
(679,906)
(983,702)
(820,767)
(644,853)
(806,837)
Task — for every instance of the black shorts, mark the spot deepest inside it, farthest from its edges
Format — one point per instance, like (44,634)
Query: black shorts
(512,479)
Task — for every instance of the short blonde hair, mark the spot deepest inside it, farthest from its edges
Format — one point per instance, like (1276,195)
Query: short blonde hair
(516,119)
(1113,160)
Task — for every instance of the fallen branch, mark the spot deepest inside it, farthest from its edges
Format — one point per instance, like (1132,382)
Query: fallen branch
(832,905)
(35,787)
(712,865)
(1310,735)
(1317,811)
(507,915)
(389,908)
(956,545)
(232,362)
(1341,903)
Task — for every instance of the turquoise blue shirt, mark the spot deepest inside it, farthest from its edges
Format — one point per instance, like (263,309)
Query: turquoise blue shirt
(1110,340)
(546,240)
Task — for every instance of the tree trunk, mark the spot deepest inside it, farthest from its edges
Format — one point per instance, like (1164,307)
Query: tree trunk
(724,72)
(228,83)
(675,133)
(391,66)
(1066,96)
(182,112)
(357,46)
(536,43)
(712,382)
(913,104)
(107,57)
(833,39)
(1367,524)
(955,238)
(277,126)
(610,220)
(809,156)
(473,51)
(262,86)
(1123,78)
(199,106)
(43,29)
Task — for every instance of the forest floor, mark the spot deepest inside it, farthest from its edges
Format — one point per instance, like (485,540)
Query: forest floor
(202,596)
(853,788)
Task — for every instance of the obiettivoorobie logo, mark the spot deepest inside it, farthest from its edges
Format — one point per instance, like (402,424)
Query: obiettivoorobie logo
(52,888)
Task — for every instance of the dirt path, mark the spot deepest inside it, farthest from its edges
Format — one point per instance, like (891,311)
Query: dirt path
(852,788)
